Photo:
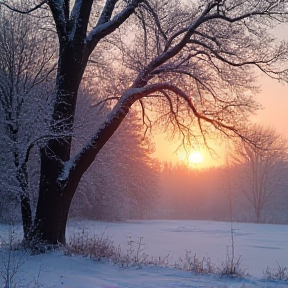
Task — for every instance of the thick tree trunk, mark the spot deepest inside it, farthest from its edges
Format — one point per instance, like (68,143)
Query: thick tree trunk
(49,223)
(51,218)
(54,200)
(53,203)
(55,197)
(74,50)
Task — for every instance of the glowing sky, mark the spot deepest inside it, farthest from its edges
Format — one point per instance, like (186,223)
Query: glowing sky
(274,99)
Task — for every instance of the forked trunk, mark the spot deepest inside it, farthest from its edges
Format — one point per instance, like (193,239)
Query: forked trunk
(54,199)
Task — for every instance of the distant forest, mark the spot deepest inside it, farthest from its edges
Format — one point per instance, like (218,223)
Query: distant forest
(218,193)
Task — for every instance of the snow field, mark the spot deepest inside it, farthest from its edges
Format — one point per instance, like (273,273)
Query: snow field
(259,246)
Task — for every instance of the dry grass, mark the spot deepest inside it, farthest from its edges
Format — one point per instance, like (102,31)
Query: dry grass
(102,247)
(278,274)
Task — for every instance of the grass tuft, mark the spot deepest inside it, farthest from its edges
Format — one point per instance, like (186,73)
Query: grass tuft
(278,274)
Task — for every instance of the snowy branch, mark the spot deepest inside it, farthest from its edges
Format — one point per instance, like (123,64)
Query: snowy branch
(21,11)
(106,26)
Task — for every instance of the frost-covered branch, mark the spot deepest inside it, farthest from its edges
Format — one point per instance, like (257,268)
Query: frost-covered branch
(106,26)
(23,11)
(88,153)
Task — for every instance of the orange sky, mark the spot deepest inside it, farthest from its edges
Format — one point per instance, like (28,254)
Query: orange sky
(274,99)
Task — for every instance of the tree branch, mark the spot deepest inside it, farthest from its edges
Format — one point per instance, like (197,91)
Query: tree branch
(106,12)
(80,16)
(21,11)
(59,17)
(76,166)
(103,29)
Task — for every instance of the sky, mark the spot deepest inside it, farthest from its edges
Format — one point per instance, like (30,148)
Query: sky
(274,100)
(273,97)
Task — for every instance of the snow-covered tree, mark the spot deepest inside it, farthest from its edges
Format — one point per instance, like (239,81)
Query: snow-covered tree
(191,63)
(26,66)
(122,182)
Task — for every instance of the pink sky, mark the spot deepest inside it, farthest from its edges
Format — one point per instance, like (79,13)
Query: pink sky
(274,99)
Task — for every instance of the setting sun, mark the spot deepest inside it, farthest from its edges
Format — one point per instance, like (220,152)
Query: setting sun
(195,157)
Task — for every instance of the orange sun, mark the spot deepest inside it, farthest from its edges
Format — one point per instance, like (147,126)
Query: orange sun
(195,157)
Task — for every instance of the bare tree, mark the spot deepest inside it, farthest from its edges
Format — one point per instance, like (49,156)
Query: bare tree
(193,64)
(263,167)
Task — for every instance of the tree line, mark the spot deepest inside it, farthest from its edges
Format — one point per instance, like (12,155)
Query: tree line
(251,187)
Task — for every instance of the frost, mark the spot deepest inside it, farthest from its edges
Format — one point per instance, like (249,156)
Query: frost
(66,171)
(96,30)
(121,103)
(76,9)
(102,27)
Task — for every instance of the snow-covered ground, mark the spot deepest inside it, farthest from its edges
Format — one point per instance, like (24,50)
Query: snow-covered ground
(259,245)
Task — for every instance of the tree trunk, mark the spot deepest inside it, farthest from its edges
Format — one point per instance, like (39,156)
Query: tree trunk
(258,215)
(52,207)
(26,215)
(53,201)
(54,197)
(51,218)
(22,177)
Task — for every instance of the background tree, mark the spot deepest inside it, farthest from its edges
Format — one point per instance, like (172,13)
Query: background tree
(192,63)
(226,182)
(261,168)
(26,65)
(122,182)
(211,193)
